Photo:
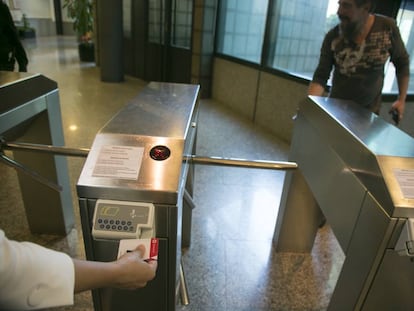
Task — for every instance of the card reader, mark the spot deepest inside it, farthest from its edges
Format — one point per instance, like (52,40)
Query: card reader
(123,220)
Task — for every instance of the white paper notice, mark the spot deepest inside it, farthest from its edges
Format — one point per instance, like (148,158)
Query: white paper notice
(405,179)
(122,162)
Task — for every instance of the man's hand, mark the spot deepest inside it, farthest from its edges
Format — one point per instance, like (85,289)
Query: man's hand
(399,106)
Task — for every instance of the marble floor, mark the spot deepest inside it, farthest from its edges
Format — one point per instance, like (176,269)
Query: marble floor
(231,264)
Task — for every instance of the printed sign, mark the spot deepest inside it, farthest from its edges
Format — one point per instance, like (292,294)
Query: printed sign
(121,162)
(405,178)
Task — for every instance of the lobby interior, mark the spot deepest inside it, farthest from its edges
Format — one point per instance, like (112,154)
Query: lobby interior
(231,264)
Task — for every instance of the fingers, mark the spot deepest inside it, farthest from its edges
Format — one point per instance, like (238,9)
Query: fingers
(141,250)
(153,265)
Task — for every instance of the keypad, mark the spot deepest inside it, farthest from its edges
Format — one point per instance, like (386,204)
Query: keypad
(115,225)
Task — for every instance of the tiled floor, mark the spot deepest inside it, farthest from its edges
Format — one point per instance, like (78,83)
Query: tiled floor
(231,264)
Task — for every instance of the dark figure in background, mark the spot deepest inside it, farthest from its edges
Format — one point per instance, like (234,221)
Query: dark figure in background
(11,49)
(357,50)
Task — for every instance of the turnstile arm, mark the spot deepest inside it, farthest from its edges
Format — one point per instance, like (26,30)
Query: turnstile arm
(83,152)
(274,165)
(74,152)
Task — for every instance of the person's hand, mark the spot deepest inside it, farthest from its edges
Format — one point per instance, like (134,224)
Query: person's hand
(399,106)
(133,271)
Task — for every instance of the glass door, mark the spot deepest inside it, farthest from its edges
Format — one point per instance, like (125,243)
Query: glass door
(159,44)
(169,40)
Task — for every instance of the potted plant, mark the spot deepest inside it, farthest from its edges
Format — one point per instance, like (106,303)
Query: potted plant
(25,31)
(80,11)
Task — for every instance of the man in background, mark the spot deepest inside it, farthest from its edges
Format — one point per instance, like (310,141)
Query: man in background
(357,50)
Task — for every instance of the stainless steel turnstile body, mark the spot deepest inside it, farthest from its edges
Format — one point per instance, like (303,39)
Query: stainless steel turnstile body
(358,170)
(30,112)
(163,114)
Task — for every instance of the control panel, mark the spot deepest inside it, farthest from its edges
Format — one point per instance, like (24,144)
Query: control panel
(123,220)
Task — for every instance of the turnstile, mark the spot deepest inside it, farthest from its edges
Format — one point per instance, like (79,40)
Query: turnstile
(30,112)
(359,171)
(136,163)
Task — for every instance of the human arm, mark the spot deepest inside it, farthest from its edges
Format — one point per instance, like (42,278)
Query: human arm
(33,277)
(324,67)
(129,272)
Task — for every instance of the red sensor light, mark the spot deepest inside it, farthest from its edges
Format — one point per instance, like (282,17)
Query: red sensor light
(160,153)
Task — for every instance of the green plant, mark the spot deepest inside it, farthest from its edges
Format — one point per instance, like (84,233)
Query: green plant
(80,11)
(25,22)
(24,29)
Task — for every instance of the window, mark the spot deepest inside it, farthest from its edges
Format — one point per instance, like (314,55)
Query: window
(241,28)
(297,30)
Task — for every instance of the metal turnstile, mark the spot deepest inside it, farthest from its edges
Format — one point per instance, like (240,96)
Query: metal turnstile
(136,163)
(358,170)
(30,112)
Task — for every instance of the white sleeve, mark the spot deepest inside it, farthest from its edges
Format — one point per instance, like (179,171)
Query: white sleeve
(34,277)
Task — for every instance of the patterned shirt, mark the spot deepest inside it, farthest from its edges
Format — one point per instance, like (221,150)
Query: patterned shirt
(359,68)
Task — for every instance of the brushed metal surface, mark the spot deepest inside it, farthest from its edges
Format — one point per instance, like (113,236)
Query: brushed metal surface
(160,110)
(370,147)
(160,115)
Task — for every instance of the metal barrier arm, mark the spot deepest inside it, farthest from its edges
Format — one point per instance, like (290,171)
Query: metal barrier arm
(73,152)
(6,160)
(83,152)
(38,148)
(273,165)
